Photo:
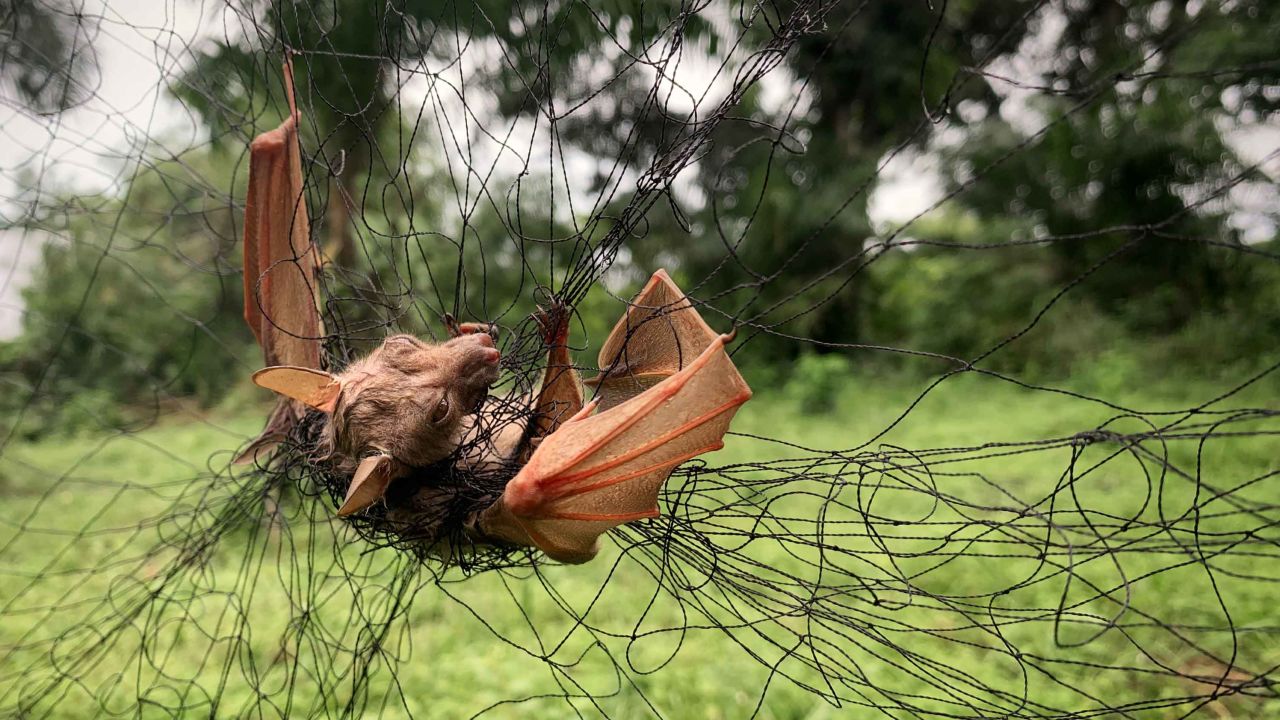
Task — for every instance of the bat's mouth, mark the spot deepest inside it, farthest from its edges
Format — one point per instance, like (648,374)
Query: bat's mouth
(472,395)
(483,372)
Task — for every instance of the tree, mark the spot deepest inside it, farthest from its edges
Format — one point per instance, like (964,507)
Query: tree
(1132,165)
(791,209)
(352,55)
(135,302)
(46,59)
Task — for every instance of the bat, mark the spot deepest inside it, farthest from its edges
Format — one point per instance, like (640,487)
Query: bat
(666,393)
(404,405)
(428,388)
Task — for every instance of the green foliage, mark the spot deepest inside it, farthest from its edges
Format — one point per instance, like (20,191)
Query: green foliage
(130,307)
(963,304)
(1132,159)
(792,210)
(816,381)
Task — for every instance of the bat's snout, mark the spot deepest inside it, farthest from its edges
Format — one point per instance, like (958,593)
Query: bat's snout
(488,354)
(478,361)
(479,354)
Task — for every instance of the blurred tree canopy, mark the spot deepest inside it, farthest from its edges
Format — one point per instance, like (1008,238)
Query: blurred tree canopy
(1111,162)
(1134,161)
(47,61)
(133,303)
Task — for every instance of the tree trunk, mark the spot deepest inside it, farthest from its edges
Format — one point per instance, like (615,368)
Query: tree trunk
(339,246)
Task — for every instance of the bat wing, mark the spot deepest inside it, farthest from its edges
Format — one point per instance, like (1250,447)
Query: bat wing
(281,265)
(597,471)
(660,334)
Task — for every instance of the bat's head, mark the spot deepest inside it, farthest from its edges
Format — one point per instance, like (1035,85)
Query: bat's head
(403,405)
(408,398)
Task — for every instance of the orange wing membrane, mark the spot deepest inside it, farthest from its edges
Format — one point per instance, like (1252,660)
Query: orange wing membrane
(660,333)
(281,265)
(598,470)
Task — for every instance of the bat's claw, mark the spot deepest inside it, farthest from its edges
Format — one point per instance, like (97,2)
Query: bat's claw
(451,324)
(554,323)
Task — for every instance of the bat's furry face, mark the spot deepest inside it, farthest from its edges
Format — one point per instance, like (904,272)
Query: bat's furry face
(408,399)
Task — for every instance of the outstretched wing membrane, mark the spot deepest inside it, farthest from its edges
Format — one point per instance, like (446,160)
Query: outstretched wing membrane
(660,333)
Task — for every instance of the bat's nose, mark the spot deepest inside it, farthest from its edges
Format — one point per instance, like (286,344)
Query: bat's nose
(484,350)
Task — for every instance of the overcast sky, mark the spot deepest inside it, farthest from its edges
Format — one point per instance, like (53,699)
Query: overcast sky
(94,147)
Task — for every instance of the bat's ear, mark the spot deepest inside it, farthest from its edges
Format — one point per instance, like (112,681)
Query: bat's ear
(370,482)
(315,388)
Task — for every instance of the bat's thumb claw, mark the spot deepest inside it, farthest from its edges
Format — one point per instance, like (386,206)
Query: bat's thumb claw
(451,324)
(553,321)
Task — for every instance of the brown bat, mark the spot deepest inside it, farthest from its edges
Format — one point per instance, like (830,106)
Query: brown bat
(404,405)
(666,394)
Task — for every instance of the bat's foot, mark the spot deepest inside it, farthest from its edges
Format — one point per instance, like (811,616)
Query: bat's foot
(554,323)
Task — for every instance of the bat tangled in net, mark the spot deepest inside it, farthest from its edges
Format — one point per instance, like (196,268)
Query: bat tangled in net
(408,423)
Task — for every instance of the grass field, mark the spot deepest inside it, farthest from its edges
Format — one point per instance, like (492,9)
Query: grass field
(82,517)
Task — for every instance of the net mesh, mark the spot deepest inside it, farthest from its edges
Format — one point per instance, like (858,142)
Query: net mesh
(1065,550)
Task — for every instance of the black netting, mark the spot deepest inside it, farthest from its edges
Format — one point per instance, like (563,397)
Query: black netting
(950,497)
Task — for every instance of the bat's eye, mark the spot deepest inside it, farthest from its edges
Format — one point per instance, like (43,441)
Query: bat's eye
(442,410)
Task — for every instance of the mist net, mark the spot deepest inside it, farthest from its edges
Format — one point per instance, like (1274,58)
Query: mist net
(926,224)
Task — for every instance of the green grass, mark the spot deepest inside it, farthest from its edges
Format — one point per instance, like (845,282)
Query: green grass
(82,517)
